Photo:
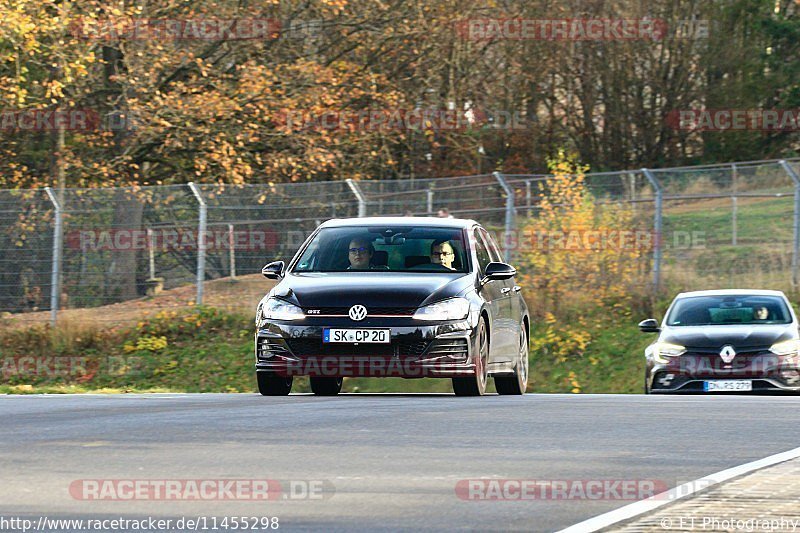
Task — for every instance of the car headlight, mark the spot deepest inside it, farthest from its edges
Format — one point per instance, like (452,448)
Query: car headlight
(790,347)
(259,318)
(662,351)
(451,309)
(275,309)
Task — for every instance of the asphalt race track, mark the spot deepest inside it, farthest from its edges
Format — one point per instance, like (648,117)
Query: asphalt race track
(386,462)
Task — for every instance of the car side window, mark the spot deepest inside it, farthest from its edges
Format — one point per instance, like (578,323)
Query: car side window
(494,252)
(480,250)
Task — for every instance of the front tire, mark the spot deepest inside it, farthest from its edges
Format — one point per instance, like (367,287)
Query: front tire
(516,383)
(325,386)
(271,385)
(476,385)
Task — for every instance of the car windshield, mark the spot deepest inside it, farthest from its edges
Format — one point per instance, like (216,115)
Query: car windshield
(385,248)
(734,309)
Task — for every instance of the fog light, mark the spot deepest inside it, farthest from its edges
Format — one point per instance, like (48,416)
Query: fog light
(666,380)
(790,376)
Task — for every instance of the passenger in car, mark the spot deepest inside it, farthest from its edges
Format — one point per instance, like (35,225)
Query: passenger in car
(360,253)
(761,313)
(442,254)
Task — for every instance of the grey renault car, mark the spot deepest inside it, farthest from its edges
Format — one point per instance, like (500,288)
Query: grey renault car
(407,297)
(724,341)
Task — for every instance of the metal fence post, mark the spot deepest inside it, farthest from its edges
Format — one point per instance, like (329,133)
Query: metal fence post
(528,197)
(796,236)
(509,214)
(657,229)
(429,199)
(231,252)
(151,252)
(201,242)
(735,208)
(362,201)
(632,186)
(55,280)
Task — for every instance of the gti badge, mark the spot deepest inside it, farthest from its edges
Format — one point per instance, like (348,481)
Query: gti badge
(727,353)
(358,312)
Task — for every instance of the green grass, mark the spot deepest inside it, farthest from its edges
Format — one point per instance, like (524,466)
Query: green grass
(203,350)
(209,350)
(758,219)
(613,362)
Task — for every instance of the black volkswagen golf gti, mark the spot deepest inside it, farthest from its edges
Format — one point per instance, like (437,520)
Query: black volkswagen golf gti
(393,297)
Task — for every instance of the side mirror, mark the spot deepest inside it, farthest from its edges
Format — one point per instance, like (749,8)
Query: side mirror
(496,270)
(649,326)
(273,270)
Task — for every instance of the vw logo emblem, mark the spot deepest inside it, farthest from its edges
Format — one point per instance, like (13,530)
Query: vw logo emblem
(358,312)
(727,353)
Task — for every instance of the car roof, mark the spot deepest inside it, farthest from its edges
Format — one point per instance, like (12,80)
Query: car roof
(431,222)
(731,292)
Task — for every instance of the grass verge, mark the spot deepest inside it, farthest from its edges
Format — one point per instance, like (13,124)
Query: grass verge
(210,350)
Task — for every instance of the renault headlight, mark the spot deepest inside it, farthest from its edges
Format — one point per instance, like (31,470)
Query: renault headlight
(275,309)
(451,309)
(790,347)
(662,351)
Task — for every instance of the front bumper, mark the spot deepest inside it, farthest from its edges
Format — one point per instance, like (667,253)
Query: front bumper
(687,373)
(416,349)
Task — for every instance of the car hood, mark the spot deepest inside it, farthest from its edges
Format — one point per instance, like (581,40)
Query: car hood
(373,289)
(738,336)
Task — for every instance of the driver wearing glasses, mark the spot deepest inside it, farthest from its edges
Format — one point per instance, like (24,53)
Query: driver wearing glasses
(360,253)
(442,254)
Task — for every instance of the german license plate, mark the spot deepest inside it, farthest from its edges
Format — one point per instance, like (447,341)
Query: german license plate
(370,335)
(728,385)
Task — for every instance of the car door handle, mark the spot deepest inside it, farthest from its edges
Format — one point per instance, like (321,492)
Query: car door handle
(517,288)
(505,290)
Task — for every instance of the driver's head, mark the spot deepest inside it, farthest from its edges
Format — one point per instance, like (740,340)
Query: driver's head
(442,254)
(360,253)
(761,313)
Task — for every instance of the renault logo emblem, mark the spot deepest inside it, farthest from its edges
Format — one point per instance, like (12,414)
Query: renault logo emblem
(358,312)
(727,353)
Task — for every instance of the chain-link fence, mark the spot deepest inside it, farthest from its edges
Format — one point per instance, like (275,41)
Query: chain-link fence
(97,254)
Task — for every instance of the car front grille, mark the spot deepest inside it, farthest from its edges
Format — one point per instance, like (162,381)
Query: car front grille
(740,352)
(307,347)
(710,365)
(371,311)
